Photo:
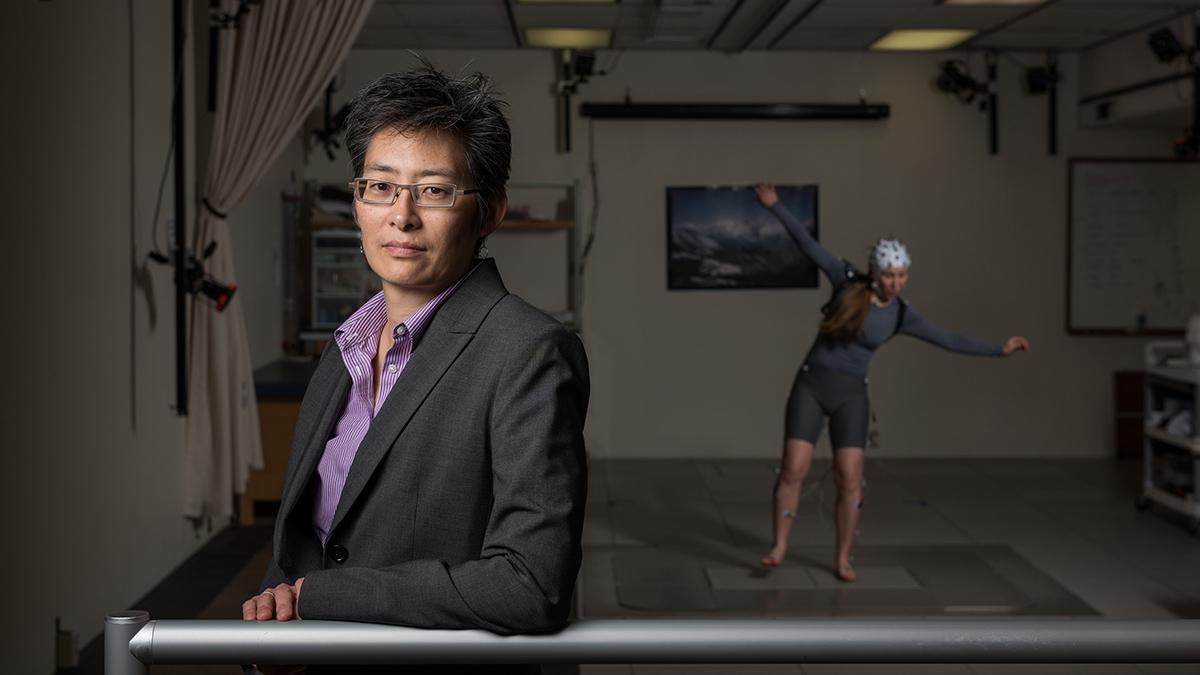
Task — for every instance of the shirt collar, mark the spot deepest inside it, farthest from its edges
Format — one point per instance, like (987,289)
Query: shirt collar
(365,324)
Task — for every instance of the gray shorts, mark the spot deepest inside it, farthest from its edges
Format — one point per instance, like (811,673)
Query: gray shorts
(824,392)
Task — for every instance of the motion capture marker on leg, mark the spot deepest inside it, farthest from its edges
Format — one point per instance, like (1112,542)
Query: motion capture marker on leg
(787,514)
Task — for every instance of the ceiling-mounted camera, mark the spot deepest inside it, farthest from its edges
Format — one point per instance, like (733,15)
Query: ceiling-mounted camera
(955,78)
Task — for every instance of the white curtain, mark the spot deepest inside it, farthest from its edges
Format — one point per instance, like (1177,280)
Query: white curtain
(272,70)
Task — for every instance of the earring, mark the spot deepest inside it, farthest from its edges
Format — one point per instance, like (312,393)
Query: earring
(482,252)
(360,249)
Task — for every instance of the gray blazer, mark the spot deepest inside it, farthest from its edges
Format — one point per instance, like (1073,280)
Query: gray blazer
(464,505)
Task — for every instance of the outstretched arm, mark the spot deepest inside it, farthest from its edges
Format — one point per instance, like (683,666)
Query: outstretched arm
(918,327)
(833,267)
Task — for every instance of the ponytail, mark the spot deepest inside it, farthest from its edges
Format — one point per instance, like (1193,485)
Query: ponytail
(847,310)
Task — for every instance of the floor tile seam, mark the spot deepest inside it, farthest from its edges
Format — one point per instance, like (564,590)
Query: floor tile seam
(911,484)
(954,524)
(1114,553)
(717,505)
(1072,581)
(1150,575)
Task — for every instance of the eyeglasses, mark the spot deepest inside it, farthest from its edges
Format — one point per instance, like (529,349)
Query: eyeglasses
(429,195)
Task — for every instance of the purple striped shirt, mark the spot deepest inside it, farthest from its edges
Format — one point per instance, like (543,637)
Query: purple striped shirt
(358,339)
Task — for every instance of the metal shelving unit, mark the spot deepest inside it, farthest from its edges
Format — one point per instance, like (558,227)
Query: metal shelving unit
(1171,460)
(341,280)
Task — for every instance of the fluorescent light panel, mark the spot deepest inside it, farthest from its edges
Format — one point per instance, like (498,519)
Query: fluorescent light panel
(568,38)
(922,40)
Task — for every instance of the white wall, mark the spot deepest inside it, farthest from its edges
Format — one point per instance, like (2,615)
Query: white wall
(706,374)
(92,459)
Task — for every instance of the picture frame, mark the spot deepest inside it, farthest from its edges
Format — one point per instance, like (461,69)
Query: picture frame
(720,237)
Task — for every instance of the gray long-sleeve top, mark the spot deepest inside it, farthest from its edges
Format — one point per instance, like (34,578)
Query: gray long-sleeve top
(854,356)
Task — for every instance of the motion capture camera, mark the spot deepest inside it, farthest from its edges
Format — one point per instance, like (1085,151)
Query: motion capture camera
(955,78)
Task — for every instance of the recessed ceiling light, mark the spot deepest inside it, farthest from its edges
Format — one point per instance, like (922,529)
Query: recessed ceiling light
(568,38)
(922,40)
(566,2)
(994,3)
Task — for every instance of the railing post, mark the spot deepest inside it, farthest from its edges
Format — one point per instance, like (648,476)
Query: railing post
(119,629)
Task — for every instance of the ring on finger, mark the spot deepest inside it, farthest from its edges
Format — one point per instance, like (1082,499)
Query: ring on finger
(268,592)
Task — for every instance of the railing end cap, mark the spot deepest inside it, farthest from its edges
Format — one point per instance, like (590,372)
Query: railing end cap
(129,616)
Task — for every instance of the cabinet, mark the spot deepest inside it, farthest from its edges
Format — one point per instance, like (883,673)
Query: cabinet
(1171,444)
(279,387)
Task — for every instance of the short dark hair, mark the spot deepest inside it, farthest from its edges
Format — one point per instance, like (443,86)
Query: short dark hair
(426,99)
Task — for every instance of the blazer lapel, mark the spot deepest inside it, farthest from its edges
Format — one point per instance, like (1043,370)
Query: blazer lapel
(451,329)
(333,383)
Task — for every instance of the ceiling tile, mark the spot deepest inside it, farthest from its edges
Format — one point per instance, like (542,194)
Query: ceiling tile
(960,17)
(747,21)
(785,19)
(434,3)
(879,3)
(826,24)
(633,40)
(830,39)
(1133,4)
(448,37)
(1046,40)
(893,17)
(395,16)
(848,17)
(1107,19)
(566,16)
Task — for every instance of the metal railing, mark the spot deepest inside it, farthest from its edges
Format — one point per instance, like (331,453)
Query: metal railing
(132,642)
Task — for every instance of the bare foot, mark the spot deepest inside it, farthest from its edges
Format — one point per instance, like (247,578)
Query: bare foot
(774,558)
(845,572)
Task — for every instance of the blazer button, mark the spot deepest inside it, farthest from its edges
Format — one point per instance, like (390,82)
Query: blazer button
(339,553)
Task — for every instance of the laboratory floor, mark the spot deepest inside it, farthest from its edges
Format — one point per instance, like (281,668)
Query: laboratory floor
(946,538)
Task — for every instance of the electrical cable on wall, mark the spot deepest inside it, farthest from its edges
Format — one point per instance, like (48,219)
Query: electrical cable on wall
(157,253)
(593,218)
(196,281)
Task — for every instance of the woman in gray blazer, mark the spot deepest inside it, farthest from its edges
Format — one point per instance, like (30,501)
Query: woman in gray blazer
(437,475)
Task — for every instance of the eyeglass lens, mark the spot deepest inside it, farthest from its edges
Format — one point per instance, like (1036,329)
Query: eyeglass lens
(374,191)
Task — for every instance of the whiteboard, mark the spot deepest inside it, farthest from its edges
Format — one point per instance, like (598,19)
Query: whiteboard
(1133,245)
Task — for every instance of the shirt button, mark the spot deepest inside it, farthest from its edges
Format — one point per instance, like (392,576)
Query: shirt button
(391,367)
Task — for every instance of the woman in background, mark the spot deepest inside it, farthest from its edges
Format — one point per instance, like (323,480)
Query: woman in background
(865,311)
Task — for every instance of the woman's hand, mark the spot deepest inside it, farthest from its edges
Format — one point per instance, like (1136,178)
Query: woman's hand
(766,194)
(1016,344)
(275,603)
(279,603)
